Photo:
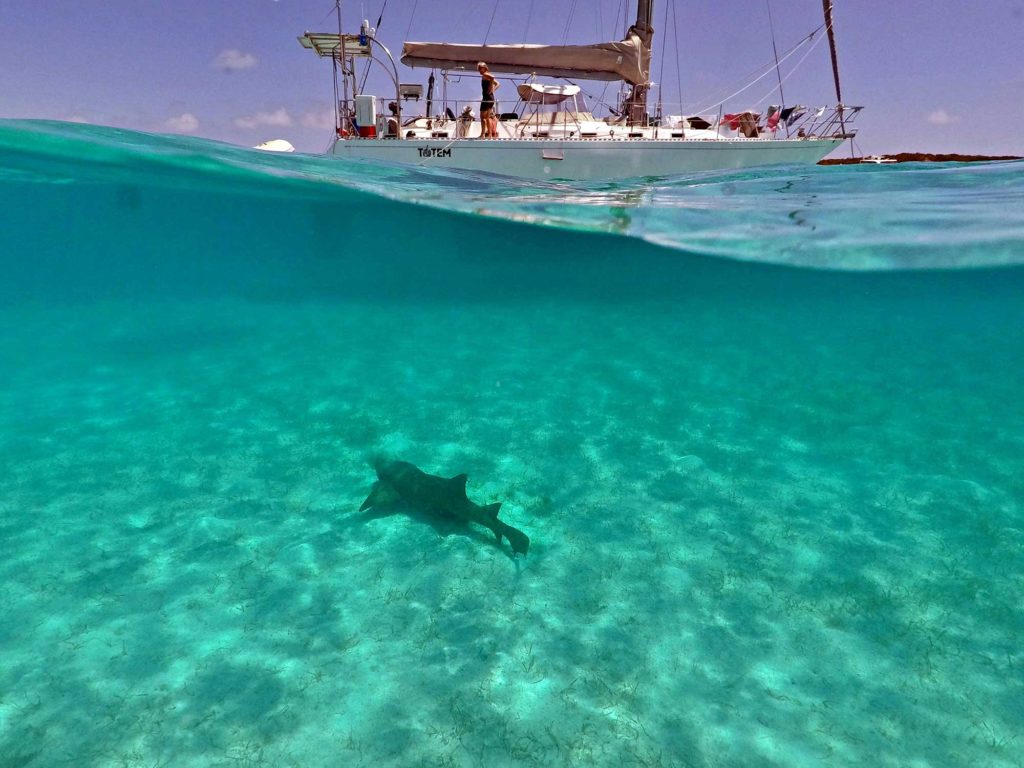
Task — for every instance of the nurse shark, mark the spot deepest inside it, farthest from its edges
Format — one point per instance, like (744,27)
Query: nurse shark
(400,481)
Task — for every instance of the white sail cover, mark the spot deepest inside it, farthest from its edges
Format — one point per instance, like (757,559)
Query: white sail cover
(629,59)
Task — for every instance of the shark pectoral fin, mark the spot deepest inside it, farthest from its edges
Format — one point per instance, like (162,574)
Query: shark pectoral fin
(381,494)
(369,500)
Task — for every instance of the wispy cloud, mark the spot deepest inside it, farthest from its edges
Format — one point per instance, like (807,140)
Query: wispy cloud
(183,123)
(234,60)
(942,117)
(321,119)
(279,118)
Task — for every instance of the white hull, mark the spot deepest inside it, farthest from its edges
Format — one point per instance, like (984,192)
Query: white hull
(587,159)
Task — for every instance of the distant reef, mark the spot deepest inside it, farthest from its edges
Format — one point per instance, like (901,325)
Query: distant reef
(917,157)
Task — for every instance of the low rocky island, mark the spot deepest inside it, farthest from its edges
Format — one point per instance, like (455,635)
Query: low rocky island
(915,157)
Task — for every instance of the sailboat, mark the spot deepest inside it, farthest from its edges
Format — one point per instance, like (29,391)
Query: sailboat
(552,133)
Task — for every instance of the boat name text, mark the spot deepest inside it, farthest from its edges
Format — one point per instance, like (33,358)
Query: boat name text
(435,151)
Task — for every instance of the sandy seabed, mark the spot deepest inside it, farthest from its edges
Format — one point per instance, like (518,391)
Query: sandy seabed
(756,541)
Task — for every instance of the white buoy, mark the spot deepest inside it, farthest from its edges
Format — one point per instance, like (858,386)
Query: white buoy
(275,145)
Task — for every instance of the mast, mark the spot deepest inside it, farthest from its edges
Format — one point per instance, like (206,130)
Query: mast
(636,102)
(827,5)
(832,48)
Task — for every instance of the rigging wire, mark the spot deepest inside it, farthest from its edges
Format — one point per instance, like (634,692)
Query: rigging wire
(493,14)
(767,71)
(366,72)
(788,52)
(624,91)
(411,17)
(529,16)
(661,73)
(568,21)
(675,37)
(793,70)
(778,72)
(331,12)
(599,99)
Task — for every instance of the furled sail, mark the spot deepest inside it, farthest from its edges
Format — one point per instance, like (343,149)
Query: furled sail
(628,59)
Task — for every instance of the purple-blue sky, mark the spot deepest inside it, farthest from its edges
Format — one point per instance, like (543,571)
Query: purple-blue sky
(934,75)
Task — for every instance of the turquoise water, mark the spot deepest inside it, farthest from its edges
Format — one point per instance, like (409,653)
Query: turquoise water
(776,512)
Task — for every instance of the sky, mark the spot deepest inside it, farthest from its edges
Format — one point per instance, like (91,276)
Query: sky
(933,75)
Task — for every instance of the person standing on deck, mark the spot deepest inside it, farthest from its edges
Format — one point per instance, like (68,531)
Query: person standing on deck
(488,84)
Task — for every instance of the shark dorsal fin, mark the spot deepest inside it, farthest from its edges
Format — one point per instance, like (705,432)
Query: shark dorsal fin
(459,483)
(492,510)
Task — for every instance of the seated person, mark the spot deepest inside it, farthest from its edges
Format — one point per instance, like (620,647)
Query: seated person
(392,132)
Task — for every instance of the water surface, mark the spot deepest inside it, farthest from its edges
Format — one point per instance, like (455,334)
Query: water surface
(776,511)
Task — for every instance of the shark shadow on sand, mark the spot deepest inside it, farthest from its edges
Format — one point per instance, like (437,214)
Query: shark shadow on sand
(399,484)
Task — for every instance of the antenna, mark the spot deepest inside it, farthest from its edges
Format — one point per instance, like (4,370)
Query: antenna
(340,61)
(775,51)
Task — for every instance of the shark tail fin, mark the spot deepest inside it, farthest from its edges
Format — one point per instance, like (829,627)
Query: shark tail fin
(491,511)
(520,541)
